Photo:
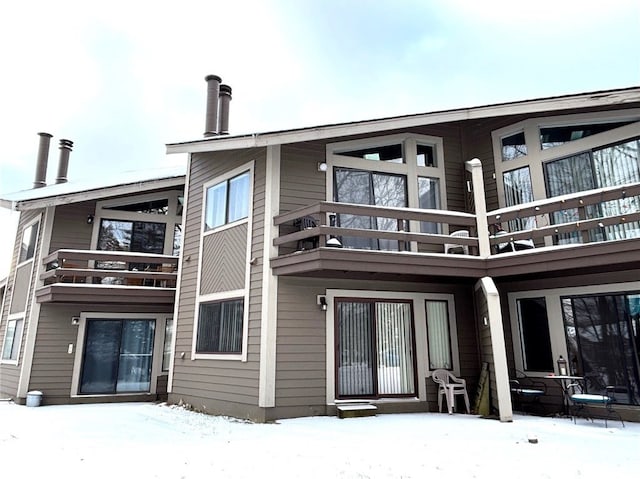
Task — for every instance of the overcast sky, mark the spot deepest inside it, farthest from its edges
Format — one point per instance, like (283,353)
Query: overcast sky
(123,78)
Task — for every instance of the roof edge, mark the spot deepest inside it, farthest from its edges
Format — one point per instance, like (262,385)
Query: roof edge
(578,100)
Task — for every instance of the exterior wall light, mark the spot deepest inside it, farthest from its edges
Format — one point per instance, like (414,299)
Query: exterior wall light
(322,166)
(322,302)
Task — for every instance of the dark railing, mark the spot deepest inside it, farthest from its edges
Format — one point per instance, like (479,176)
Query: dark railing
(110,268)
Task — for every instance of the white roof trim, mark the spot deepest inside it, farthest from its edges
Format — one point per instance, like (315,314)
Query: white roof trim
(57,195)
(584,100)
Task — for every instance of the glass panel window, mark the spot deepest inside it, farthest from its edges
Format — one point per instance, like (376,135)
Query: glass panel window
(426,155)
(220,327)
(438,335)
(534,334)
(177,240)
(389,153)
(559,135)
(518,190)
(168,341)
(429,198)
(157,207)
(514,146)
(227,201)
(12,338)
(28,245)
(369,188)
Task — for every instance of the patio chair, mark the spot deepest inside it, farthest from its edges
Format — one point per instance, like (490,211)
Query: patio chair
(593,406)
(450,386)
(305,223)
(526,392)
(453,248)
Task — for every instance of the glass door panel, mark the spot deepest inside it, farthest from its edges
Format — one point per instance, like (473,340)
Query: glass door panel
(117,356)
(374,349)
(355,350)
(602,343)
(101,352)
(136,353)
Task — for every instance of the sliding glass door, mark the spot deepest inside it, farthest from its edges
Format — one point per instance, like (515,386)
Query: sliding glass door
(603,338)
(365,187)
(117,356)
(375,349)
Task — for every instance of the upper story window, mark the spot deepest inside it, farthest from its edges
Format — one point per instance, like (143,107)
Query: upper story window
(157,207)
(28,245)
(513,146)
(542,158)
(559,135)
(402,171)
(227,201)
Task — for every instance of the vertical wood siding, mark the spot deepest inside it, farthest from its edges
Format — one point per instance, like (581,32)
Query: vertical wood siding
(221,387)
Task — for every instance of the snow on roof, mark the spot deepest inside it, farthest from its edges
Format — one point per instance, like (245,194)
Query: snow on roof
(93,188)
(554,103)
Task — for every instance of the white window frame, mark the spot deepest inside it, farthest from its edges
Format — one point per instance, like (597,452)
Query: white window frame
(247,168)
(13,317)
(554,316)
(409,168)
(217,297)
(418,301)
(158,347)
(37,238)
(536,157)
(170,219)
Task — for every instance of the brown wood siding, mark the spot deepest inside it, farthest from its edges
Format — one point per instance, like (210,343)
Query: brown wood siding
(224,257)
(52,367)
(21,288)
(208,384)
(70,228)
(10,374)
(301,331)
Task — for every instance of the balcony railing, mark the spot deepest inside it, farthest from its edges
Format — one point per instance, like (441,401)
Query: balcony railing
(313,225)
(108,268)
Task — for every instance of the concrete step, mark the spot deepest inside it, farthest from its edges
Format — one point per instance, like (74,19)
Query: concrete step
(356,410)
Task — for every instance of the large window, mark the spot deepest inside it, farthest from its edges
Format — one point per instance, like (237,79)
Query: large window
(612,165)
(12,338)
(28,245)
(375,348)
(227,201)
(429,198)
(369,188)
(534,334)
(220,327)
(438,335)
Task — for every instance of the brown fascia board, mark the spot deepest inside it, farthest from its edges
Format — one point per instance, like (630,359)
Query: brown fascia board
(549,104)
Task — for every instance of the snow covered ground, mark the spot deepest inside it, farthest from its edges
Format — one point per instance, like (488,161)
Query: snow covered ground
(159,441)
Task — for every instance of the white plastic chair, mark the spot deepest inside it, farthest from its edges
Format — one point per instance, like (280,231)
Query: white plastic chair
(457,248)
(450,386)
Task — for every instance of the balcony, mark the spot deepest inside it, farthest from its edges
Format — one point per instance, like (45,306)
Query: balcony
(586,243)
(116,277)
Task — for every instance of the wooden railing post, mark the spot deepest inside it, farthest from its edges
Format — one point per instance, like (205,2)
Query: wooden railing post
(474,166)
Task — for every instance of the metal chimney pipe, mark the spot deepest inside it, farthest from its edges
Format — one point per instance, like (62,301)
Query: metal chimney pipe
(213,91)
(41,164)
(63,162)
(223,112)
